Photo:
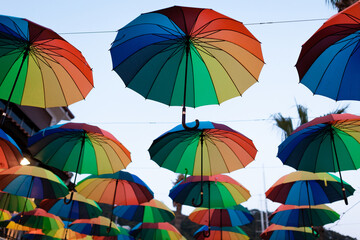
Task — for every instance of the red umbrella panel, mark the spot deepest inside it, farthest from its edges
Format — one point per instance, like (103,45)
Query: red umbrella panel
(10,153)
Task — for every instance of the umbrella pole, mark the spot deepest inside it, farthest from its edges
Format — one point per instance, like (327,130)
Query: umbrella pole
(3,116)
(338,164)
(185,84)
(112,208)
(201,174)
(77,169)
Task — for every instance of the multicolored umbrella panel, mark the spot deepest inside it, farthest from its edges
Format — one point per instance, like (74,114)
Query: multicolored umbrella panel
(32,182)
(38,67)
(80,207)
(235,233)
(15,203)
(95,226)
(274,232)
(224,192)
(303,216)
(152,211)
(222,217)
(65,233)
(328,61)
(307,188)
(325,144)
(10,153)
(4,215)
(161,230)
(183,56)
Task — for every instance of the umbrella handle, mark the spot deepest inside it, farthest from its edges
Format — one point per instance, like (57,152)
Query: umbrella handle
(197,123)
(70,199)
(207,233)
(201,200)
(345,197)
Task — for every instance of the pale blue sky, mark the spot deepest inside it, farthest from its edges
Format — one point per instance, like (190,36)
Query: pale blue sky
(136,122)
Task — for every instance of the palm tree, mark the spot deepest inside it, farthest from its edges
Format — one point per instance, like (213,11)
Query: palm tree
(341,4)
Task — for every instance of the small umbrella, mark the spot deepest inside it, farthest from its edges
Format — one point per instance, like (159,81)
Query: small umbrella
(235,233)
(224,191)
(123,235)
(38,218)
(274,232)
(65,233)
(80,207)
(38,67)
(5,215)
(222,217)
(307,188)
(162,230)
(328,62)
(300,216)
(95,226)
(152,211)
(10,152)
(38,235)
(183,56)
(209,150)
(325,144)
(79,148)
(15,203)
(120,188)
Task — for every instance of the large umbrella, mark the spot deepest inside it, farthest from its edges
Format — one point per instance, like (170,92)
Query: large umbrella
(300,216)
(325,144)
(79,148)
(10,152)
(95,226)
(233,233)
(183,56)
(38,67)
(329,60)
(152,211)
(161,230)
(120,188)
(222,217)
(307,188)
(274,232)
(209,150)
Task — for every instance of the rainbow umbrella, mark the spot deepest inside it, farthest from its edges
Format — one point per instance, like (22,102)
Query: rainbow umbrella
(222,191)
(325,144)
(120,188)
(209,150)
(80,207)
(234,233)
(38,67)
(307,188)
(222,217)
(152,211)
(65,233)
(274,232)
(161,230)
(183,56)
(15,203)
(300,216)
(10,153)
(329,60)
(95,226)
(32,182)
(5,215)
(79,148)
(38,218)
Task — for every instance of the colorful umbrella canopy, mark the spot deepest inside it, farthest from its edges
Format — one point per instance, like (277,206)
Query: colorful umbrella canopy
(233,233)
(222,217)
(161,230)
(123,235)
(80,207)
(38,67)
(325,144)
(328,62)
(32,182)
(10,152)
(15,203)
(4,215)
(64,233)
(307,188)
(38,218)
(224,191)
(303,216)
(152,211)
(95,226)
(38,235)
(274,232)
(183,56)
